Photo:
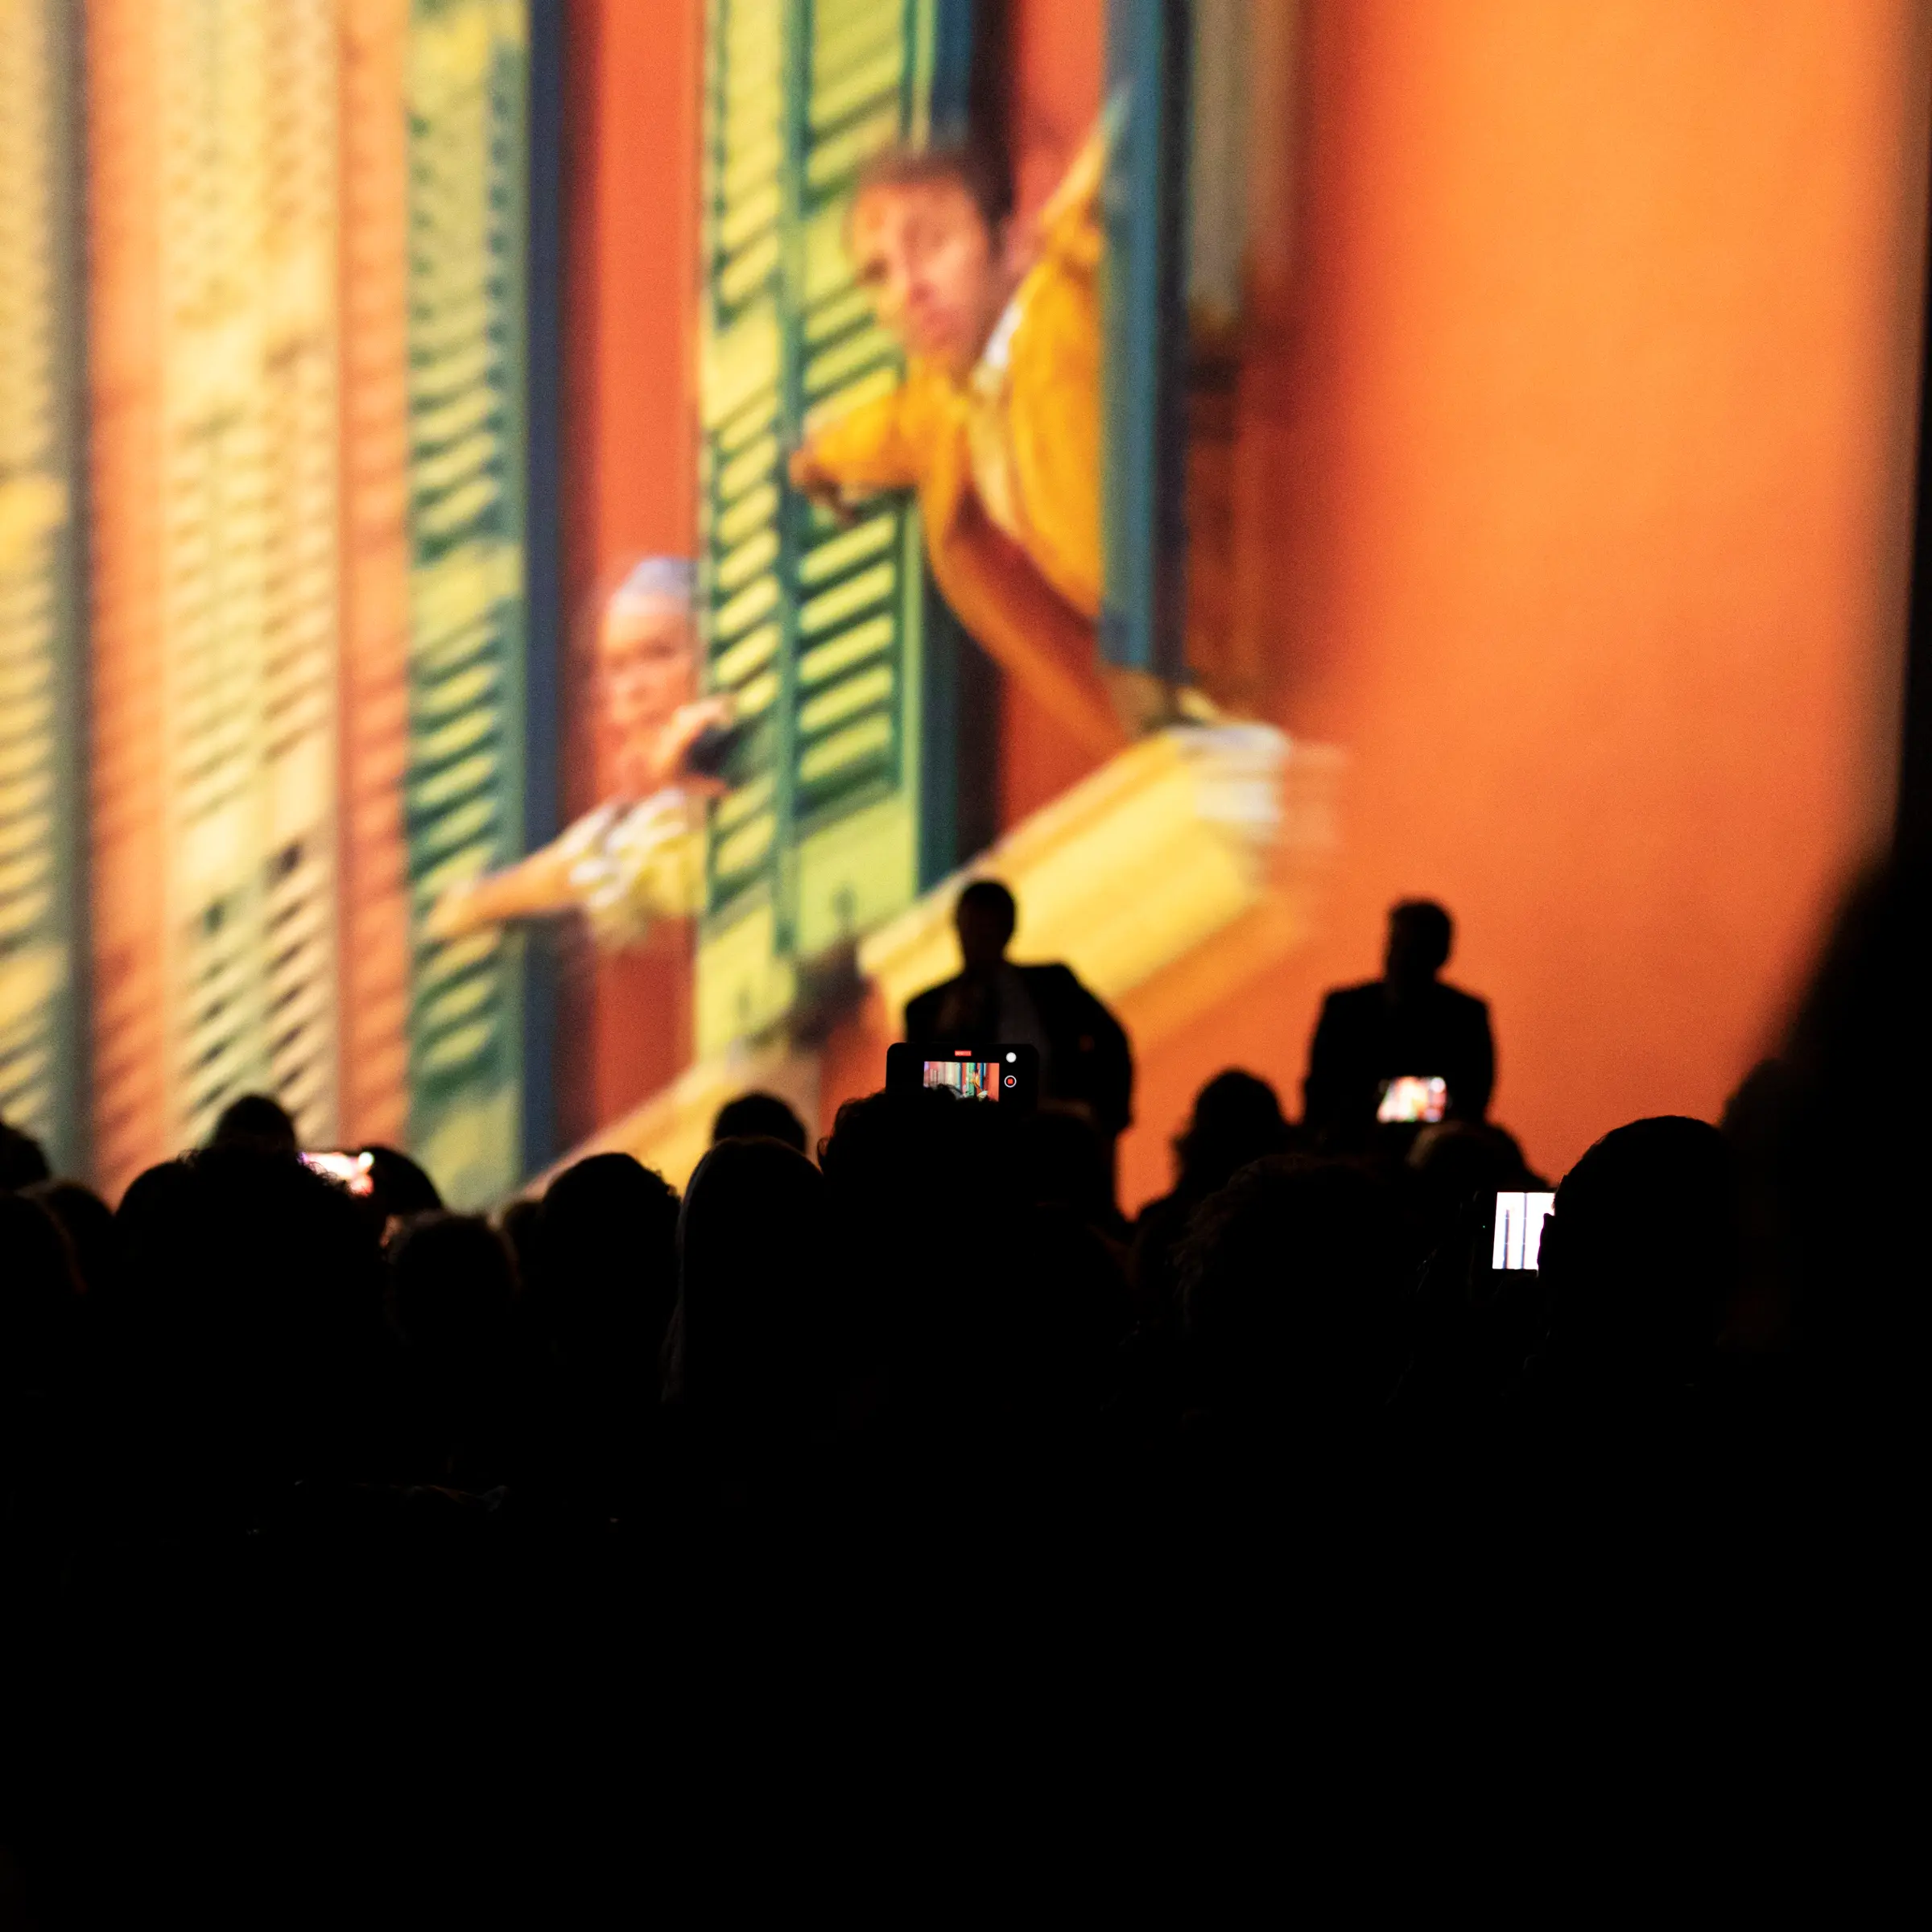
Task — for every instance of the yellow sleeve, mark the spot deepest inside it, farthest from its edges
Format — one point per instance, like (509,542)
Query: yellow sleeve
(1069,226)
(872,447)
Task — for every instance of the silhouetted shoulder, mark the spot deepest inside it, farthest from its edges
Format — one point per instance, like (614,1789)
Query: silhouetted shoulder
(1054,976)
(923,1010)
(1345,1000)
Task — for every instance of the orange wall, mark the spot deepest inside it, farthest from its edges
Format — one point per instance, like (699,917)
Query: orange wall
(1590,448)
(630,320)
(375,941)
(126,778)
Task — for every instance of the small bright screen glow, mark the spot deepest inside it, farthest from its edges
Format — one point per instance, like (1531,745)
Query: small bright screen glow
(1412,1097)
(1519,1229)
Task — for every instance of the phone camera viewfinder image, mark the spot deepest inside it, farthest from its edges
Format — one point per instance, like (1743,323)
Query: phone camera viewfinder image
(966,1079)
(1519,1228)
(1412,1098)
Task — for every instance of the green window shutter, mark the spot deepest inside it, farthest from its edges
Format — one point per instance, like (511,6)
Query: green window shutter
(816,627)
(42,801)
(468,134)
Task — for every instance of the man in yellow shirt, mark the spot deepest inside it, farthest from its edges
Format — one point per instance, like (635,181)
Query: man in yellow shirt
(997,423)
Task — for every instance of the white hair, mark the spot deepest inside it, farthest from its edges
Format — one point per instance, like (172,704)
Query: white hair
(658,581)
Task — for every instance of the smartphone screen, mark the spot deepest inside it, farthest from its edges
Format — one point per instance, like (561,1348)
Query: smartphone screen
(969,1079)
(1411,1097)
(969,1073)
(349,1171)
(1518,1236)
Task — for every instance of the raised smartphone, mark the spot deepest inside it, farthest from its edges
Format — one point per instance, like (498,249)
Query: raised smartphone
(353,1171)
(1516,1234)
(1411,1097)
(1009,1074)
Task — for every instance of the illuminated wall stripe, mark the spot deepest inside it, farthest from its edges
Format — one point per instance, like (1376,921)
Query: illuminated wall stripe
(374,272)
(128,873)
(468,83)
(41,630)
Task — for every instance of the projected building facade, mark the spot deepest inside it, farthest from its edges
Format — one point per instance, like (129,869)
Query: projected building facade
(43,969)
(823,630)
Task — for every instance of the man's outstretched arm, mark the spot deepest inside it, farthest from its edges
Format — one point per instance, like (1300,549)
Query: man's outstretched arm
(858,454)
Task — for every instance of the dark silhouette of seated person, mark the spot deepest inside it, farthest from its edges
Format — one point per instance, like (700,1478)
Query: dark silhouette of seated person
(1289,1282)
(39,1288)
(1085,1061)
(605,1258)
(1639,1261)
(451,1285)
(1236,1119)
(23,1160)
(1407,1022)
(759,1117)
(89,1224)
(1628,1398)
(749,1356)
(250,1321)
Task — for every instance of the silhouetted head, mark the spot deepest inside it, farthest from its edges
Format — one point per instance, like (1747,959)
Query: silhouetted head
(1639,1256)
(918,1160)
(1459,1162)
(927,1193)
(520,1224)
(753,1336)
(255,1120)
(754,1115)
(23,1160)
(397,1185)
(451,1284)
(1288,1286)
(89,1225)
(606,1251)
(1069,1165)
(1420,934)
(985,918)
(251,1296)
(1236,1119)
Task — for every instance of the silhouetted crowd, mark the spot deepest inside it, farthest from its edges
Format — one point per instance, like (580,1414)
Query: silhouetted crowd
(342,1529)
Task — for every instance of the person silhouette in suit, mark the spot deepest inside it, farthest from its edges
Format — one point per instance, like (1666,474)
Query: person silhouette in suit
(1407,1022)
(1086,1063)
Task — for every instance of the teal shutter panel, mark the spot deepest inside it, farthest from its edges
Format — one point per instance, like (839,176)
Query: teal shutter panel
(816,627)
(43,799)
(1144,442)
(467,85)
